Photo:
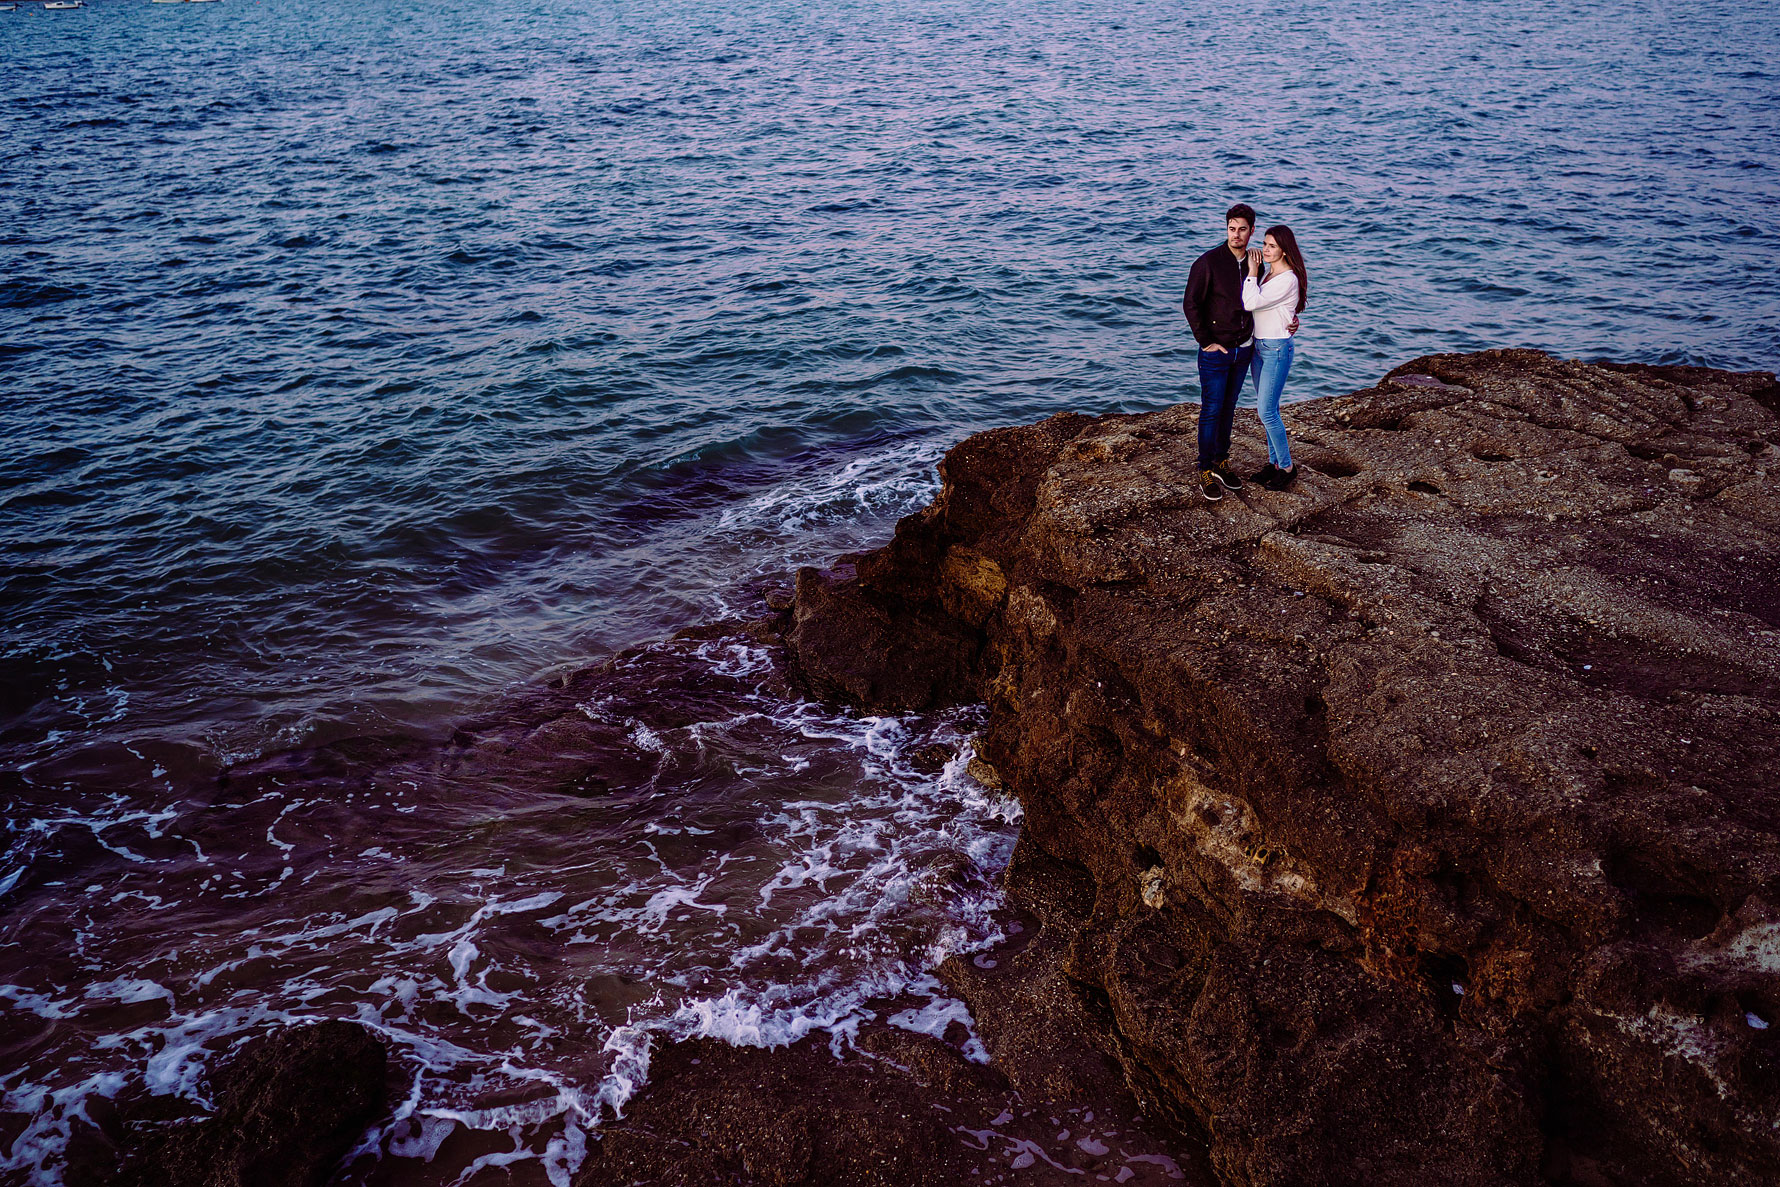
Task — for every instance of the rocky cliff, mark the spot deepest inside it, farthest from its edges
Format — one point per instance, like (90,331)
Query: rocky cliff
(1416,824)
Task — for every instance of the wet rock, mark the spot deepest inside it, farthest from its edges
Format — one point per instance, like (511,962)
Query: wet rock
(931,758)
(856,644)
(899,1109)
(942,879)
(568,755)
(1044,1032)
(694,1126)
(1413,824)
(288,1108)
(980,769)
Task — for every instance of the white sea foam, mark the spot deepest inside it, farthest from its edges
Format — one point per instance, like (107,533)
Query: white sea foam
(644,738)
(40,1004)
(130,990)
(423,1140)
(736,659)
(38,1153)
(1168,1166)
(892,482)
(810,517)
(938,1016)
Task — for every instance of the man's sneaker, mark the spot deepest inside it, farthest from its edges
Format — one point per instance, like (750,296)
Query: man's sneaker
(1210,487)
(1264,474)
(1225,475)
(1281,479)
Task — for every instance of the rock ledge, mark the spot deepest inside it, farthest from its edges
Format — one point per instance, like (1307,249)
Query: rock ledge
(1415,824)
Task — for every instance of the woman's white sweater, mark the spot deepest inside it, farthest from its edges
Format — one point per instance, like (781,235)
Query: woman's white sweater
(1274,302)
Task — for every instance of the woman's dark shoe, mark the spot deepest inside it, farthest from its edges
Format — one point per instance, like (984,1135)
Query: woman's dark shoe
(1210,487)
(1281,478)
(1265,474)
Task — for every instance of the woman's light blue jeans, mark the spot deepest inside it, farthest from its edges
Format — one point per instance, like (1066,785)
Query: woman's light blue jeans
(1273,359)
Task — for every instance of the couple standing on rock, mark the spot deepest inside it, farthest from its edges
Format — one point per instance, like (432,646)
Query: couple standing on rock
(1244,325)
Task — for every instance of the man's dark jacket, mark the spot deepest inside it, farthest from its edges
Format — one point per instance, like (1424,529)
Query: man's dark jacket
(1213,303)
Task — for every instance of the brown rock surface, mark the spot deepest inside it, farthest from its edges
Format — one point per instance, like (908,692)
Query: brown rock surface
(288,1108)
(1416,824)
(900,1109)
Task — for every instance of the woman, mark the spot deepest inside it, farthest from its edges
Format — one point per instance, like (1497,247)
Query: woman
(1276,303)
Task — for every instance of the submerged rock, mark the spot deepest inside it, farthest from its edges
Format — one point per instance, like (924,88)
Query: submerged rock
(288,1108)
(1415,824)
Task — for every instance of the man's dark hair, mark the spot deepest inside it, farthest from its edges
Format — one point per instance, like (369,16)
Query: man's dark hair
(1243,211)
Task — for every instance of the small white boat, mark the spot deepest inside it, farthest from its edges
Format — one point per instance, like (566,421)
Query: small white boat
(60,5)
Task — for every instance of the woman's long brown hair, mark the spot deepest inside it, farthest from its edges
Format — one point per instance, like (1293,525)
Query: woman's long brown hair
(1288,246)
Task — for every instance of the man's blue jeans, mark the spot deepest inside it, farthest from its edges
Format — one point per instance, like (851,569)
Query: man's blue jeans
(1220,382)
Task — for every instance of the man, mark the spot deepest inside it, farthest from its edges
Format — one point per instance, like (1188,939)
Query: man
(1226,334)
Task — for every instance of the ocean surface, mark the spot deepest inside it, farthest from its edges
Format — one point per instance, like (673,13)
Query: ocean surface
(371,374)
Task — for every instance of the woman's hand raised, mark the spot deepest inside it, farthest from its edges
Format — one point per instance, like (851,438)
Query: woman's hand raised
(1254,261)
